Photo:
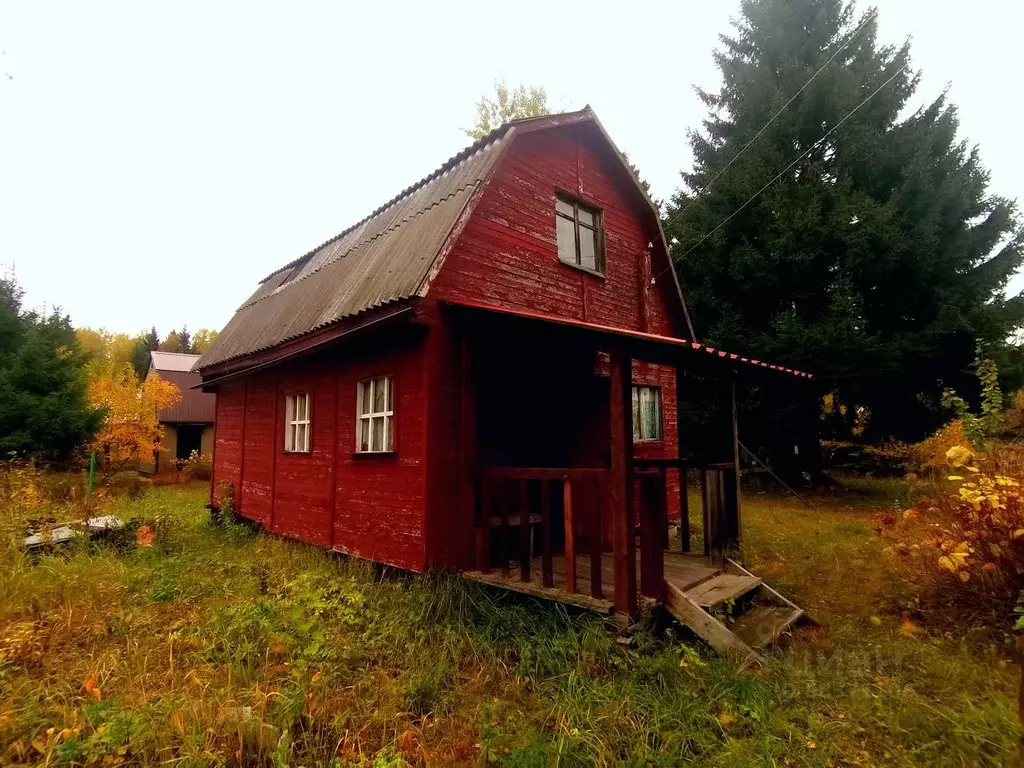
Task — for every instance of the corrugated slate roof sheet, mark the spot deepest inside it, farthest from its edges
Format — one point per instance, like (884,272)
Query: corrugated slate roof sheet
(381,259)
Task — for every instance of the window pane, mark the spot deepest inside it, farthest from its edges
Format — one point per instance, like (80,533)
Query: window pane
(586,217)
(300,439)
(303,407)
(388,427)
(391,395)
(636,414)
(364,395)
(377,434)
(566,240)
(379,395)
(289,409)
(588,248)
(288,437)
(364,434)
(563,206)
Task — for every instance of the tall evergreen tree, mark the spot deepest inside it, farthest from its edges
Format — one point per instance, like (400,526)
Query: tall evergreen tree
(146,343)
(43,408)
(878,259)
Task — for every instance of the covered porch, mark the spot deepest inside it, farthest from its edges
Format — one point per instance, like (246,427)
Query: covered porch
(566,502)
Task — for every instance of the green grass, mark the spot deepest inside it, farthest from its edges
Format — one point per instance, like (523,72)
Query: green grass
(218,646)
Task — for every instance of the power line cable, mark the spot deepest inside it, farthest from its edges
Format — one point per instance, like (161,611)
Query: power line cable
(782,109)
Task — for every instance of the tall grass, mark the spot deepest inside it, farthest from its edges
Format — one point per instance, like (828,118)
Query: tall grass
(221,646)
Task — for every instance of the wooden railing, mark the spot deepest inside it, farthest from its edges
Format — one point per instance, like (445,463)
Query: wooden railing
(576,485)
(719,505)
(506,492)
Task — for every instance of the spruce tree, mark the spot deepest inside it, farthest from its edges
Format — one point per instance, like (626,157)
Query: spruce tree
(146,342)
(44,412)
(877,261)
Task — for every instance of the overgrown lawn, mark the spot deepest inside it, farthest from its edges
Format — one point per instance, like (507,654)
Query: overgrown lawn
(220,646)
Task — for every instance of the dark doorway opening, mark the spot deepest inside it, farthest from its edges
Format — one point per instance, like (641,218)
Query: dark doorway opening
(190,438)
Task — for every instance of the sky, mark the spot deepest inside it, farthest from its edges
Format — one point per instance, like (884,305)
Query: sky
(158,159)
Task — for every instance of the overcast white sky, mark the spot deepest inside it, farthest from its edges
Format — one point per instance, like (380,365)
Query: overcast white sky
(157,160)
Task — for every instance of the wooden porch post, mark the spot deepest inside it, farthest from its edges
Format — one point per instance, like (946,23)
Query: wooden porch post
(684,498)
(620,482)
(475,544)
(736,528)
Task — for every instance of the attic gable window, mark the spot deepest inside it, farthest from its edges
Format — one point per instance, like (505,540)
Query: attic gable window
(296,423)
(580,234)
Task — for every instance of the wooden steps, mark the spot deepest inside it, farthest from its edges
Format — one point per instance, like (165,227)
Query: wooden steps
(763,625)
(720,589)
(755,615)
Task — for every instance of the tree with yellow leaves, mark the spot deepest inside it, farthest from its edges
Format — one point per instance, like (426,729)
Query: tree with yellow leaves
(130,427)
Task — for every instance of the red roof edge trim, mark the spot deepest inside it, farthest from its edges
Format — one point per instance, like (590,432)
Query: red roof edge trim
(610,329)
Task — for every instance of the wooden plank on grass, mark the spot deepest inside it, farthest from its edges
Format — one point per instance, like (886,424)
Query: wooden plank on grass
(707,627)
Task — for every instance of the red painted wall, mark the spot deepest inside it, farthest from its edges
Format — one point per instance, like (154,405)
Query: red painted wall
(507,256)
(405,509)
(370,506)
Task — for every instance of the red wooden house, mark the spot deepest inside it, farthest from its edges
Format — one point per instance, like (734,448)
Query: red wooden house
(486,370)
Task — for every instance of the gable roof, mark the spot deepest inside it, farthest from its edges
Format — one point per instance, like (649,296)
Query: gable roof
(172,361)
(195,406)
(387,257)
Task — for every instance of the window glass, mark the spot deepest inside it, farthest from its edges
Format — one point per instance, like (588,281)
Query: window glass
(375,417)
(646,413)
(578,233)
(566,240)
(588,248)
(297,423)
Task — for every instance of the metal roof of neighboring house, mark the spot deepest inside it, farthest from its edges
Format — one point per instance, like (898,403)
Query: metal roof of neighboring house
(195,406)
(172,361)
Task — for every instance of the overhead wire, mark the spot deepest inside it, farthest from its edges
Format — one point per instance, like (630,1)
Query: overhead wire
(782,109)
(783,172)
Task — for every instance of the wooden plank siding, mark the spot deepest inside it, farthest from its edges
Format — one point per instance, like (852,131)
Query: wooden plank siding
(507,257)
(414,508)
(369,506)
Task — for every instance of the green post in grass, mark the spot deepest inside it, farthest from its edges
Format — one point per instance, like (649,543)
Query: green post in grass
(92,474)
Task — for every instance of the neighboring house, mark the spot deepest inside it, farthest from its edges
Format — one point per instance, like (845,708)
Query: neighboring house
(188,424)
(483,367)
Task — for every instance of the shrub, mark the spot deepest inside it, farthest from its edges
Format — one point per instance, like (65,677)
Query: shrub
(970,538)
(928,457)
(197,467)
(886,460)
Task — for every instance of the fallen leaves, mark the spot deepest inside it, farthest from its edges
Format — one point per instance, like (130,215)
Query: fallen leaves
(92,689)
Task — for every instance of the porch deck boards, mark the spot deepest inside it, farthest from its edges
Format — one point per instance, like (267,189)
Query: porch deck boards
(681,570)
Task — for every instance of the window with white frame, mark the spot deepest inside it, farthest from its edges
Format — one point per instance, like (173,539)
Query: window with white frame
(375,411)
(646,414)
(296,423)
(579,233)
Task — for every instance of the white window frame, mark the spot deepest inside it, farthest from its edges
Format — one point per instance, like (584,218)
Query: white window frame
(370,417)
(595,229)
(642,393)
(297,423)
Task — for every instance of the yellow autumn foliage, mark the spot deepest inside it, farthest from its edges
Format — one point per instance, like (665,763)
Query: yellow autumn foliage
(973,532)
(932,455)
(130,429)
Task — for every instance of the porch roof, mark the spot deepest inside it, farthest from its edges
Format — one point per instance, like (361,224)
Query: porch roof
(646,346)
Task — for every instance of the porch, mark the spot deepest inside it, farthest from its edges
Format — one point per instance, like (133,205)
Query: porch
(565,504)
